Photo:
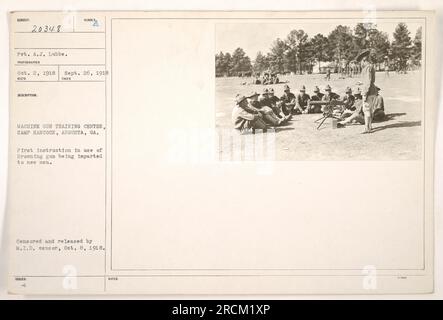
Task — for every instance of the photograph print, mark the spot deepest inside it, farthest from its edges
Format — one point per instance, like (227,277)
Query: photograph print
(314,90)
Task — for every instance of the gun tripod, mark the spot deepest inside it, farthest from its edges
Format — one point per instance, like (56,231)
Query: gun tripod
(325,116)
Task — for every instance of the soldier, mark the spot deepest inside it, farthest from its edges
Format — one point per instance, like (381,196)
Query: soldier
(287,101)
(275,104)
(351,69)
(276,79)
(253,100)
(266,79)
(328,74)
(379,107)
(264,98)
(244,117)
(357,95)
(349,101)
(271,96)
(330,95)
(386,66)
(356,116)
(317,96)
(302,101)
(369,91)
(268,114)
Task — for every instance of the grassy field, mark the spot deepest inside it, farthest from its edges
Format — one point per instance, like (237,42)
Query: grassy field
(397,138)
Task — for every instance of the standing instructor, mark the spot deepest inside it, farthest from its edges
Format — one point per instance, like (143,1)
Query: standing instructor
(369,90)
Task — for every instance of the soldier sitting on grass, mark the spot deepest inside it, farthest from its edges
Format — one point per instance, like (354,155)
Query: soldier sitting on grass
(268,114)
(379,107)
(287,101)
(263,99)
(273,102)
(246,118)
(349,101)
(358,115)
(317,96)
(329,97)
(302,101)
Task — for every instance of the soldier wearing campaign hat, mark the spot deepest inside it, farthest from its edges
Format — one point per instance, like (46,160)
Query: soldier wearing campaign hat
(317,96)
(302,101)
(369,91)
(244,117)
(287,101)
(358,115)
(379,107)
(253,99)
(266,111)
(264,98)
(274,103)
(272,97)
(358,95)
(330,95)
(349,100)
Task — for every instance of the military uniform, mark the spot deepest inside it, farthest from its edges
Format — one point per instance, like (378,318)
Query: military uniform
(328,74)
(288,102)
(262,105)
(348,106)
(369,88)
(245,117)
(274,104)
(317,97)
(264,101)
(273,100)
(349,101)
(358,96)
(302,101)
(330,96)
(379,108)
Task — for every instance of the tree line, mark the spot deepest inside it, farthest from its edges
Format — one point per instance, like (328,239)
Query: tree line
(298,53)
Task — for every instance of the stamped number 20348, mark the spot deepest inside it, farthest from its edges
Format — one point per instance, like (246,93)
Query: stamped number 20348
(46,28)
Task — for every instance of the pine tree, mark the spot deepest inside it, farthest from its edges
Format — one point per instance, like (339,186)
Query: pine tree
(341,44)
(401,46)
(277,57)
(319,47)
(241,63)
(379,41)
(219,64)
(417,47)
(261,63)
(297,54)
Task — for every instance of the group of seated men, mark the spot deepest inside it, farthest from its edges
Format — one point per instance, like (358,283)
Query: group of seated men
(267,78)
(257,111)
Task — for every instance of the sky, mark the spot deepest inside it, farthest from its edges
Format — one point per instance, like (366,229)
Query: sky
(254,37)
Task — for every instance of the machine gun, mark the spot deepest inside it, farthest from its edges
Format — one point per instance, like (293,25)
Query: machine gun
(328,109)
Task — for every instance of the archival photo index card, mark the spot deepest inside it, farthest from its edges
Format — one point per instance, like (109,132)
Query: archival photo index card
(221,152)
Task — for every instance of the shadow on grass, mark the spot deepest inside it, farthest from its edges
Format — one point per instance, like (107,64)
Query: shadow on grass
(404,124)
(278,129)
(286,124)
(392,116)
